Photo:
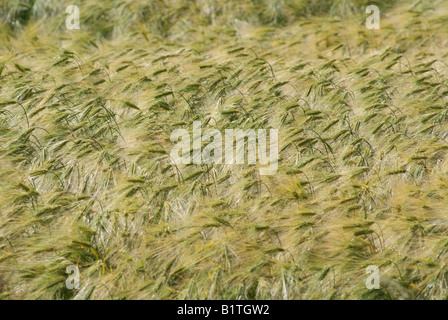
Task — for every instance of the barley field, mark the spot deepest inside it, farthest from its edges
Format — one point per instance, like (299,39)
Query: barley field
(86,178)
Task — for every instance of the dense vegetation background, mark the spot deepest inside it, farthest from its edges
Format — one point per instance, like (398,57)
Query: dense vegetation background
(85,123)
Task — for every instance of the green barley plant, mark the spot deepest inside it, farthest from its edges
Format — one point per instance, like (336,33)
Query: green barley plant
(86,175)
